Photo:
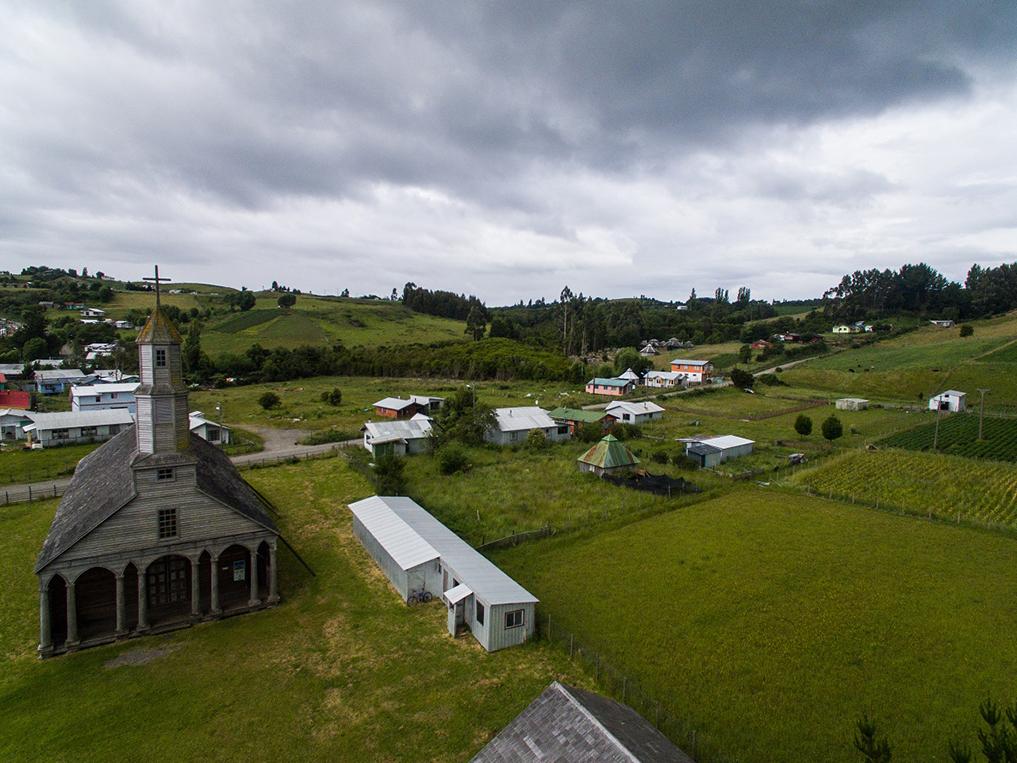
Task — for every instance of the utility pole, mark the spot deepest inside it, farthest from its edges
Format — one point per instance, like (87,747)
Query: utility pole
(981,410)
(935,438)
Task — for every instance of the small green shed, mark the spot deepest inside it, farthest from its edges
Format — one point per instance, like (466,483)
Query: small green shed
(609,456)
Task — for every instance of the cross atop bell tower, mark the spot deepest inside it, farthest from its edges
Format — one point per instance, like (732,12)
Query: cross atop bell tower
(157,281)
(162,420)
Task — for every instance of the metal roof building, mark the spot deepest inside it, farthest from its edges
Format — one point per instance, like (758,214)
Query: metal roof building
(635,413)
(419,554)
(570,725)
(513,425)
(400,437)
(711,451)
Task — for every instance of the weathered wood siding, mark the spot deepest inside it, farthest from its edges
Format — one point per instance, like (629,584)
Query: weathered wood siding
(136,528)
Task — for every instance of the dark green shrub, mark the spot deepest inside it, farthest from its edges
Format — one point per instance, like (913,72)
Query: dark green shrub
(452,459)
(269,400)
(659,456)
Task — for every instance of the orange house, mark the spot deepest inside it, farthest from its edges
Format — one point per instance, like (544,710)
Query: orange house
(696,371)
(396,408)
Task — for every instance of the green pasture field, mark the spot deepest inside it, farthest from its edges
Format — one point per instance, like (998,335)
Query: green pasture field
(772,621)
(702,352)
(19,465)
(509,490)
(301,406)
(958,436)
(918,364)
(769,420)
(323,321)
(341,670)
(920,483)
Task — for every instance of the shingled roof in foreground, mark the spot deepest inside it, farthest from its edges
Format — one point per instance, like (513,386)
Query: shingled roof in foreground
(577,726)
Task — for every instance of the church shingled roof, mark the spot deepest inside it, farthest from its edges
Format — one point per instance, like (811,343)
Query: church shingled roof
(103,483)
(159,329)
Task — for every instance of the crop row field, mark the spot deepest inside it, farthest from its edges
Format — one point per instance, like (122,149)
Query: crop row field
(958,436)
(771,621)
(950,487)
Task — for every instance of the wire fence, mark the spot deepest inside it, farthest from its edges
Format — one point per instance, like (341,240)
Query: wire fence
(615,682)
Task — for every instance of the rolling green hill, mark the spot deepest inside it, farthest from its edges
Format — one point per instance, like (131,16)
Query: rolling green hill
(325,320)
(917,364)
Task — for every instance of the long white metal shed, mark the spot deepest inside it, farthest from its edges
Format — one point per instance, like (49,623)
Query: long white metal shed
(418,553)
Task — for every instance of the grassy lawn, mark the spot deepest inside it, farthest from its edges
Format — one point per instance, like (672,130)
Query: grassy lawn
(341,670)
(508,491)
(772,621)
(303,408)
(920,483)
(18,465)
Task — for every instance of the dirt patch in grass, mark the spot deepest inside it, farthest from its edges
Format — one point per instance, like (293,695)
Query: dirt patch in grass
(140,656)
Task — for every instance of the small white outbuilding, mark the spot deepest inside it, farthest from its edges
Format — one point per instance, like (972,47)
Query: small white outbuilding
(951,400)
(852,404)
(419,554)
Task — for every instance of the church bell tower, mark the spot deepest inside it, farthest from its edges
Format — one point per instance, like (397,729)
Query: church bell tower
(162,415)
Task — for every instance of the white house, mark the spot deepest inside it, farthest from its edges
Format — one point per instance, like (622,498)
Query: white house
(851,404)
(943,324)
(397,438)
(93,312)
(208,430)
(123,324)
(12,423)
(951,400)
(711,451)
(513,425)
(648,351)
(419,555)
(54,381)
(663,379)
(844,329)
(629,375)
(65,428)
(104,397)
(635,413)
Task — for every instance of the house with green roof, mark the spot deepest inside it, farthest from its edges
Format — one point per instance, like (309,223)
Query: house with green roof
(614,387)
(577,418)
(609,456)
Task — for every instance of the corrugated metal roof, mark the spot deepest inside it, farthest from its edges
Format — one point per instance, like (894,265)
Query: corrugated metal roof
(527,417)
(457,594)
(600,381)
(396,513)
(403,543)
(665,375)
(61,373)
(103,389)
(393,403)
(577,414)
(67,419)
(685,362)
(629,374)
(639,409)
(196,419)
(726,441)
(413,429)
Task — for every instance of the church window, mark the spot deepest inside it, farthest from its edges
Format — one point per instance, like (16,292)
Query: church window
(164,474)
(167,523)
(160,358)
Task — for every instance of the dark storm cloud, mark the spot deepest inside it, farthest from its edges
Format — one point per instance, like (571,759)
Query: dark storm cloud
(164,116)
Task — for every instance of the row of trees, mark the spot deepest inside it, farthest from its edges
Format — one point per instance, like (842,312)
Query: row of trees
(445,304)
(922,290)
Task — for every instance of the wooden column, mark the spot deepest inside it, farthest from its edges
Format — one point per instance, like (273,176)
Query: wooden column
(72,616)
(253,600)
(273,594)
(142,597)
(195,589)
(45,628)
(213,605)
(121,606)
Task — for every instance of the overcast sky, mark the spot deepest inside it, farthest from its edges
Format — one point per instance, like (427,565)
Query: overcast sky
(509,148)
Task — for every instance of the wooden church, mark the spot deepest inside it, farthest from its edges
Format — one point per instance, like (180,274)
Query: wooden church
(157,528)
